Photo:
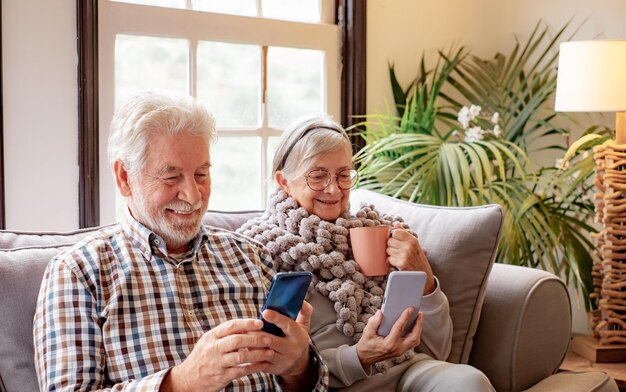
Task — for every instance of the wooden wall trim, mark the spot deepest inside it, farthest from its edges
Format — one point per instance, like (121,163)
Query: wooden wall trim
(2,193)
(351,17)
(88,133)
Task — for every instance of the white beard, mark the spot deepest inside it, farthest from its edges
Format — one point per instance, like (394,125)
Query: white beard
(175,233)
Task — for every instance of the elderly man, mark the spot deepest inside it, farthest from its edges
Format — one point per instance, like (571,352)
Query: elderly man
(158,301)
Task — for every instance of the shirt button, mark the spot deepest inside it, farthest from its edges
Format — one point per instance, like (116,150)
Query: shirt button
(146,253)
(157,242)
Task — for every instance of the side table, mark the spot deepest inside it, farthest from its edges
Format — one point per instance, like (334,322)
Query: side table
(577,363)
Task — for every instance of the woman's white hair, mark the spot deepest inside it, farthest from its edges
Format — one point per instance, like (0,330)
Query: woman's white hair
(305,139)
(150,113)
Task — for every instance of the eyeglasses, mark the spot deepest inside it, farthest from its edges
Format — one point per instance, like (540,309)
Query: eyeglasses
(319,179)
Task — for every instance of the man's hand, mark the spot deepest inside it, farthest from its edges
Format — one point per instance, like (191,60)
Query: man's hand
(406,254)
(229,351)
(291,359)
(373,348)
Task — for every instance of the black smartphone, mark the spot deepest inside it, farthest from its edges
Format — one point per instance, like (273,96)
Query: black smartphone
(286,295)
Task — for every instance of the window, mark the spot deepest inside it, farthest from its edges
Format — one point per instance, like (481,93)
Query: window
(257,64)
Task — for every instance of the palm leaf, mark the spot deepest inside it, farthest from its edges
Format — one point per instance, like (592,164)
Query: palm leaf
(413,153)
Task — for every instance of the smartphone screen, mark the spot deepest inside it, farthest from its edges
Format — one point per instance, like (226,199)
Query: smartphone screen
(404,289)
(286,295)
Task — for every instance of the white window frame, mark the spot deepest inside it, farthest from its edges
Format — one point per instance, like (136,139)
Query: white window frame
(123,18)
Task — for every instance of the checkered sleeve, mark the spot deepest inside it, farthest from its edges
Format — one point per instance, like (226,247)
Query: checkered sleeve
(266,265)
(69,351)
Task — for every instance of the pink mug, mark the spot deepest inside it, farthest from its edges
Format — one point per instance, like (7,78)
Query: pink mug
(369,247)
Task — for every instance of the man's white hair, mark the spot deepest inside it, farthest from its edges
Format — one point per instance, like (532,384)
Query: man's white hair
(150,113)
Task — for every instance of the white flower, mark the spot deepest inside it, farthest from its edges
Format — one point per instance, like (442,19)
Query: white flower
(474,134)
(471,116)
(497,132)
(561,164)
(464,117)
(474,111)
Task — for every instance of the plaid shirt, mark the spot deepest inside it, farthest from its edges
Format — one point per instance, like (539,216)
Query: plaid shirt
(115,312)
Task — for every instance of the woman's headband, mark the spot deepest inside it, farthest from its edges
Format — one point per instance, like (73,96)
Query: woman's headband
(294,142)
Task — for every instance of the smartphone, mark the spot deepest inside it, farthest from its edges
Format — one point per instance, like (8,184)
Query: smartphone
(404,289)
(286,295)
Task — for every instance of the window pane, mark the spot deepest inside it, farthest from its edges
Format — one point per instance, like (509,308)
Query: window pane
(234,7)
(236,174)
(272,145)
(294,84)
(149,62)
(229,82)
(297,10)
(159,3)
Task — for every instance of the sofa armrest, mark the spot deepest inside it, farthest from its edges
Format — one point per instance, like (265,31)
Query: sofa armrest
(524,328)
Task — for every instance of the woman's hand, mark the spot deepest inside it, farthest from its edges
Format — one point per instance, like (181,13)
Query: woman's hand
(373,348)
(405,253)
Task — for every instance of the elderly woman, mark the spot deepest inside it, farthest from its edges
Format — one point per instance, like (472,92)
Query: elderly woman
(305,227)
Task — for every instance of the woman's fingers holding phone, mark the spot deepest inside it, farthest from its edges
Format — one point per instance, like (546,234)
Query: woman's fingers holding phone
(373,323)
(373,348)
(413,338)
(400,325)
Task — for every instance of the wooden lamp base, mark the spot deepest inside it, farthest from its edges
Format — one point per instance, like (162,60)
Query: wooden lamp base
(589,347)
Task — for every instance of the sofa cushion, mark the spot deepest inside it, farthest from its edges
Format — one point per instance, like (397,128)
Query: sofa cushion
(10,239)
(228,220)
(23,259)
(21,271)
(461,245)
(595,381)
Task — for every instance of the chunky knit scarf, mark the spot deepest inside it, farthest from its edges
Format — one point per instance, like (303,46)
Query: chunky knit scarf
(302,242)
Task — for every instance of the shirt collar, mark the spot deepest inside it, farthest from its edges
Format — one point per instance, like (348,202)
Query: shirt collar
(149,243)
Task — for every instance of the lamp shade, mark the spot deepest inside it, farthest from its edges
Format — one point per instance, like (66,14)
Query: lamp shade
(591,77)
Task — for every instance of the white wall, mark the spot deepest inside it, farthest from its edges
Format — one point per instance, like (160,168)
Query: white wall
(499,19)
(399,31)
(40,114)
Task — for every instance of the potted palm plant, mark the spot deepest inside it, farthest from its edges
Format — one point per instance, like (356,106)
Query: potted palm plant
(461,135)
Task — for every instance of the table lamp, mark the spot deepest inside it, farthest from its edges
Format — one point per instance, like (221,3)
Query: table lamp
(592,78)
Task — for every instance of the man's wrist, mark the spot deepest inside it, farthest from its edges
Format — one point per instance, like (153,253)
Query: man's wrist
(170,383)
(307,378)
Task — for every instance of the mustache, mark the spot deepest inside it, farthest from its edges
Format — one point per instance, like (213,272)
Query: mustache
(183,206)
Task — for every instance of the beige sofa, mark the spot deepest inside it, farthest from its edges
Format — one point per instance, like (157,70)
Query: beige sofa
(511,322)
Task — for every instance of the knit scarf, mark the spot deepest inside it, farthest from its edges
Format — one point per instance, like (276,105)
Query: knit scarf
(299,241)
